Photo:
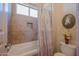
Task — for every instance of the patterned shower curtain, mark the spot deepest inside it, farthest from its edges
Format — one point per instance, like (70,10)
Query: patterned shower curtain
(45,31)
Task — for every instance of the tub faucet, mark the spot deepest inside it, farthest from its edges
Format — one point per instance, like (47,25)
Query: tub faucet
(8,46)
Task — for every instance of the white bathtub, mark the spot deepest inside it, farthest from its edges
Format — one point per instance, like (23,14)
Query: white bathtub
(24,49)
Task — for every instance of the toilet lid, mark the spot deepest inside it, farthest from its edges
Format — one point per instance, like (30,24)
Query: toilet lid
(59,54)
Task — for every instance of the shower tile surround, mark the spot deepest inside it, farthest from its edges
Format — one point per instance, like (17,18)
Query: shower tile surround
(23,28)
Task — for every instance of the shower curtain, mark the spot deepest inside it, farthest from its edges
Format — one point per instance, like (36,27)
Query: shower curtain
(45,31)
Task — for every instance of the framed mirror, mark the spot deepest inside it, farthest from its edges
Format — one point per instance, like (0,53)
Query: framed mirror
(68,21)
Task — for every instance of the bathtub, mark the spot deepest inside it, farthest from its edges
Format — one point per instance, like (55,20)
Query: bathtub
(24,49)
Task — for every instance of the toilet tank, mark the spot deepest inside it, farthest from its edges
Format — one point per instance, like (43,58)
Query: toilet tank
(67,49)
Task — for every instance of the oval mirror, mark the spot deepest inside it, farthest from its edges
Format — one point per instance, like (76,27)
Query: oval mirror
(68,21)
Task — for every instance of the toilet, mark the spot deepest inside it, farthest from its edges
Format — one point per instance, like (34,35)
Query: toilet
(66,50)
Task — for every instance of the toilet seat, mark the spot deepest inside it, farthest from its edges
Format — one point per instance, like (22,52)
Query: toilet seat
(59,54)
